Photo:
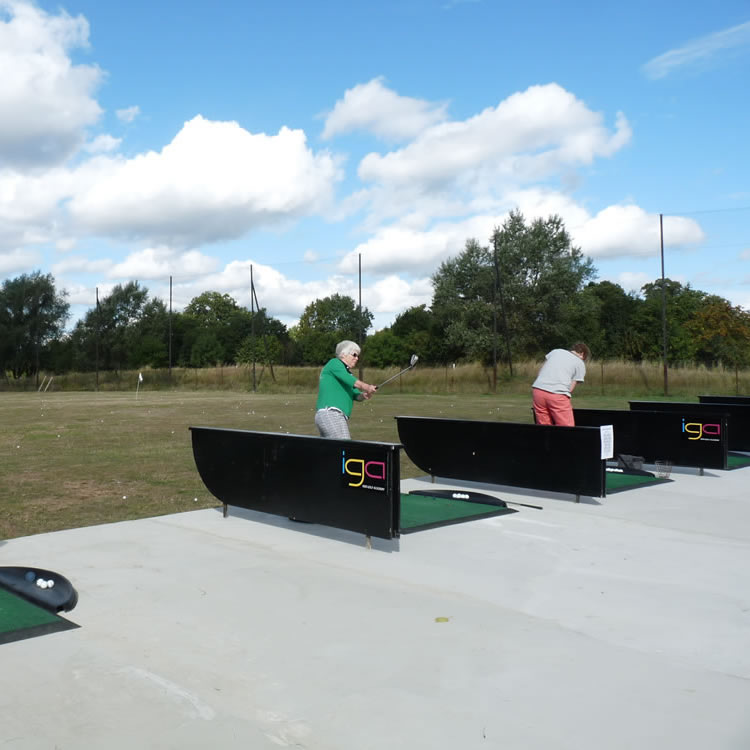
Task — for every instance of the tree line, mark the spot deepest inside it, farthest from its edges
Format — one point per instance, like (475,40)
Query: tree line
(526,291)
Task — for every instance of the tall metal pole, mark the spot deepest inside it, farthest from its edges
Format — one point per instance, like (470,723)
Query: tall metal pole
(252,321)
(361,325)
(170,328)
(494,326)
(663,306)
(96,338)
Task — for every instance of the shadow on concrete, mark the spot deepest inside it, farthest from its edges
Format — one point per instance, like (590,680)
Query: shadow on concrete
(315,529)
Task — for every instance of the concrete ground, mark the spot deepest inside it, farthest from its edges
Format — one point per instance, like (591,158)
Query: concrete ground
(612,624)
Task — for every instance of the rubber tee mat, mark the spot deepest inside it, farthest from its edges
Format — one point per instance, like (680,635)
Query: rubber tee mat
(20,619)
(429,510)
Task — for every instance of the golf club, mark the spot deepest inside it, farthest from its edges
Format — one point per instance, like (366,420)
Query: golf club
(412,362)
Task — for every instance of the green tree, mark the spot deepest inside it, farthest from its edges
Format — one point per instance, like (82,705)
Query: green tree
(150,344)
(682,303)
(216,318)
(383,349)
(721,333)
(108,335)
(263,349)
(463,294)
(212,309)
(32,315)
(420,332)
(603,315)
(325,322)
(206,351)
(267,341)
(120,312)
(528,276)
(540,272)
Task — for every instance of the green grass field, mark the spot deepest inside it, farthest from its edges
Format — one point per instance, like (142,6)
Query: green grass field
(84,458)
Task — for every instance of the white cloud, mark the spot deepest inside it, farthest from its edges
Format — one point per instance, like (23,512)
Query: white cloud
(50,98)
(615,231)
(394,294)
(214,181)
(417,246)
(740,298)
(399,248)
(633,281)
(103,144)
(20,261)
(29,206)
(374,107)
(82,296)
(128,114)
(528,136)
(81,264)
(65,244)
(630,231)
(286,298)
(699,51)
(162,262)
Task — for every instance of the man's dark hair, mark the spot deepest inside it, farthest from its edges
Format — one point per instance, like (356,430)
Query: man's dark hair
(582,349)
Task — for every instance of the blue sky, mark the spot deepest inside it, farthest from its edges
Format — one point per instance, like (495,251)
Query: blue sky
(144,140)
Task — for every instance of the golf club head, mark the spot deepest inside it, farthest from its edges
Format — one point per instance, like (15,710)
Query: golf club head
(413,360)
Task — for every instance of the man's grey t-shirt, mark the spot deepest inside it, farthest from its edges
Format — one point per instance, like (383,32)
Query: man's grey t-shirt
(561,367)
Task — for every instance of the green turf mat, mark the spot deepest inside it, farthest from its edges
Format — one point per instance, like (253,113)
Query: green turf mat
(21,619)
(737,460)
(420,512)
(617,481)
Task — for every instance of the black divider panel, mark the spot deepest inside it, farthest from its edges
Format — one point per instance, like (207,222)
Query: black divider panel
(62,597)
(738,417)
(557,459)
(347,484)
(661,435)
(724,399)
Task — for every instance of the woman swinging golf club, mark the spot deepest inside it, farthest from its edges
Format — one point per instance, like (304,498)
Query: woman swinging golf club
(338,390)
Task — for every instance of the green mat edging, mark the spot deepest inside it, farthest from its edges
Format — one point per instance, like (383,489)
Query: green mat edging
(737,461)
(421,512)
(20,619)
(618,481)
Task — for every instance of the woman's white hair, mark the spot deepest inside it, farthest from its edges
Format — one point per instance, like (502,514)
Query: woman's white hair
(346,347)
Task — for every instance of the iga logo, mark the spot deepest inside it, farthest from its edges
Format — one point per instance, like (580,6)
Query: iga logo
(701,430)
(359,472)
